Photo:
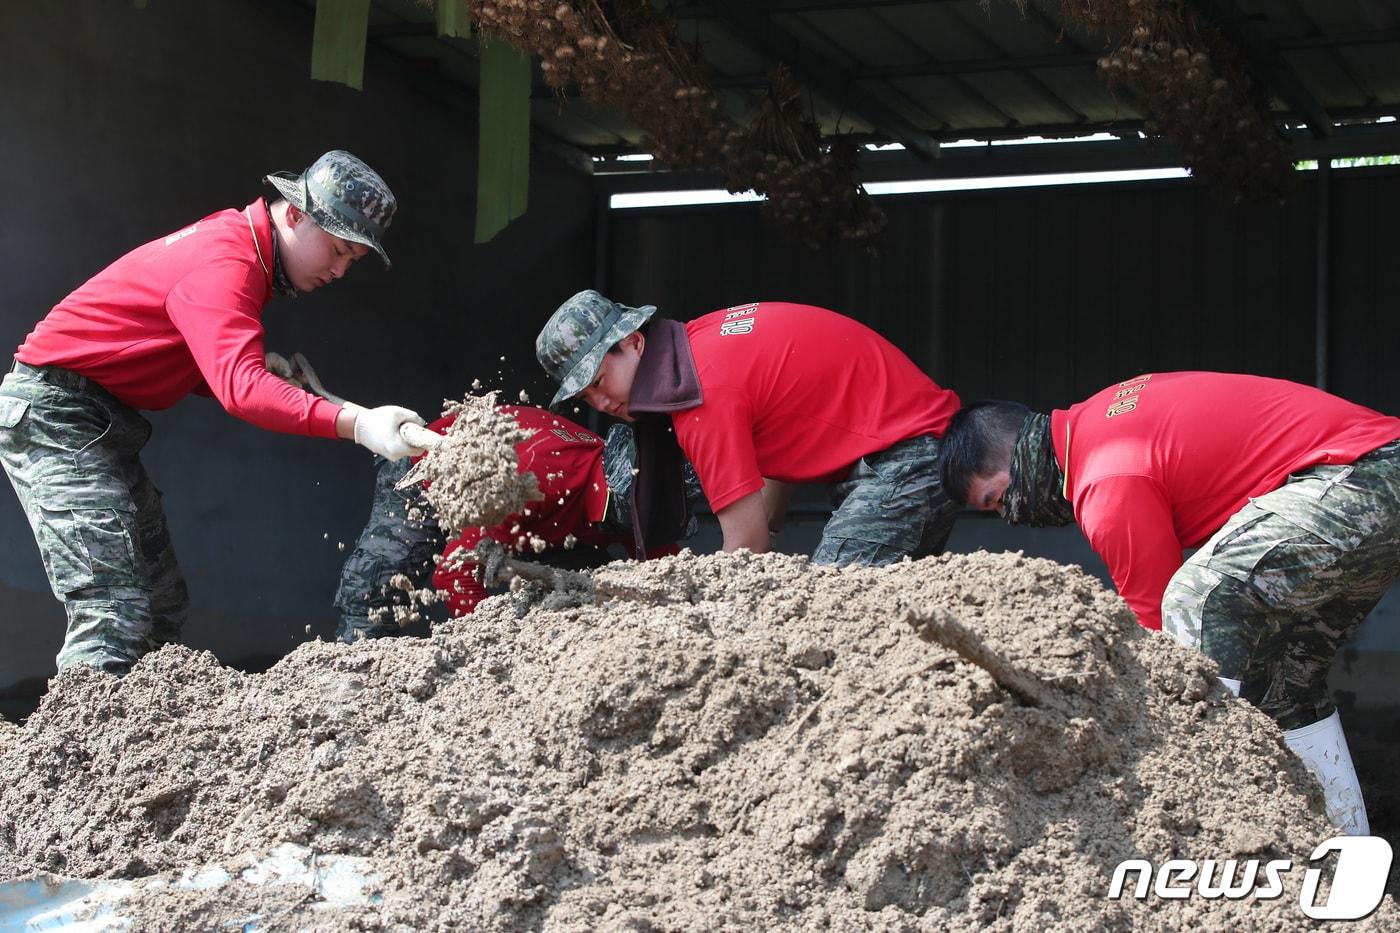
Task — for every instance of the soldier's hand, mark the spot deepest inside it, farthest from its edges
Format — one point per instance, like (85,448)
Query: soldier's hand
(377,429)
(490,556)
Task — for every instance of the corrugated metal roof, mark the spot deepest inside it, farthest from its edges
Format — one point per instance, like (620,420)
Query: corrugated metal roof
(958,69)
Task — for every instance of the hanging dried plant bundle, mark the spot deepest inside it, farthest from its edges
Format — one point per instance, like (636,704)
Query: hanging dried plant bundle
(627,56)
(1196,89)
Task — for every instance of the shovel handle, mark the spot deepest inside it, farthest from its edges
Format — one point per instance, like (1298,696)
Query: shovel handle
(531,571)
(307,375)
(419,436)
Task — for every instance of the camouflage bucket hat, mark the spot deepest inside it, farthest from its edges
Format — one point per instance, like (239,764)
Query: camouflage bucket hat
(344,196)
(572,344)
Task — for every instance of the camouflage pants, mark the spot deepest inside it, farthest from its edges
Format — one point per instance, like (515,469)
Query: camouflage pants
(1274,594)
(892,506)
(72,452)
(391,544)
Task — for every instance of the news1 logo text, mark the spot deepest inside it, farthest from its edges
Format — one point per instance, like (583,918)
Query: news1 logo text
(1358,880)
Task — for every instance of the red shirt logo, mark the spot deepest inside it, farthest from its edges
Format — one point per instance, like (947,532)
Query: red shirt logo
(738,320)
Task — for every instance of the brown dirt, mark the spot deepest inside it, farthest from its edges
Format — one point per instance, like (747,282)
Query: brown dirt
(474,473)
(9,733)
(723,742)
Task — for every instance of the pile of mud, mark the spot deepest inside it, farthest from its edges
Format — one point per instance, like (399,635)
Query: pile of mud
(719,742)
(474,475)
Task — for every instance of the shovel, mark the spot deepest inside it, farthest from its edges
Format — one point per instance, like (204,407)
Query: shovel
(303,373)
(298,369)
(942,628)
(418,436)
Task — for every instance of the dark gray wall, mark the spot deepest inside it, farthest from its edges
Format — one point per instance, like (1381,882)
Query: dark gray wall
(1043,295)
(118,125)
(1047,295)
(1365,249)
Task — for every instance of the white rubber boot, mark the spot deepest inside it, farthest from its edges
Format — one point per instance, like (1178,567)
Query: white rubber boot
(1323,748)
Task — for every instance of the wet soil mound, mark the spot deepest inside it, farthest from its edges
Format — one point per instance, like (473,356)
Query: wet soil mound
(964,742)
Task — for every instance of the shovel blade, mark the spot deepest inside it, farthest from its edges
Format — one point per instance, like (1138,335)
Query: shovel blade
(413,477)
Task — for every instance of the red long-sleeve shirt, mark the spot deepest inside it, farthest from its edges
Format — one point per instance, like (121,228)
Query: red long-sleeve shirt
(1159,463)
(181,315)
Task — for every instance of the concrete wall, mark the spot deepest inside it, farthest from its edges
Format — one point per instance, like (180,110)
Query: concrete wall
(118,125)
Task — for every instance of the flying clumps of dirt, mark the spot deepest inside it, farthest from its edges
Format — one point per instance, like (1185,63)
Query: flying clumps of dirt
(473,476)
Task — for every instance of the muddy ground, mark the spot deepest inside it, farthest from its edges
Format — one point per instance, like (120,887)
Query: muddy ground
(720,742)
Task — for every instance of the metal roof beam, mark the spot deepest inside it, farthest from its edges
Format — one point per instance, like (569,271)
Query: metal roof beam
(967,87)
(1343,64)
(694,10)
(1125,153)
(1336,40)
(1059,60)
(1129,126)
(1380,14)
(994,161)
(698,9)
(819,73)
(813,6)
(975,66)
(403,30)
(1268,65)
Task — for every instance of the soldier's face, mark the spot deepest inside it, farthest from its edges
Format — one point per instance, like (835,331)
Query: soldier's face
(987,492)
(612,387)
(311,256)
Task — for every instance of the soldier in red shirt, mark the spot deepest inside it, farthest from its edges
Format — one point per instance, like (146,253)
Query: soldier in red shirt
(179,315)
(1290,495)
(587,507)
(760,396)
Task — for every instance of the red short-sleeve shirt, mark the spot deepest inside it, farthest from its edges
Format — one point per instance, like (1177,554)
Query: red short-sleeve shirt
(799,394)
(1159,463)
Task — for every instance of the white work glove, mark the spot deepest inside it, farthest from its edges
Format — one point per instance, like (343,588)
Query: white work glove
(377,429)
